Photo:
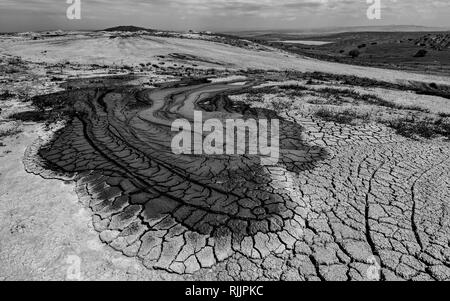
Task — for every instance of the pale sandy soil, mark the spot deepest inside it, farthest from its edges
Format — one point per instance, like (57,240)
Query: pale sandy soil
(43,225)
(135,50)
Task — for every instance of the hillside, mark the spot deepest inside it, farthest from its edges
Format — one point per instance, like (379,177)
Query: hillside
(127,29)
(393,50)
(104,49)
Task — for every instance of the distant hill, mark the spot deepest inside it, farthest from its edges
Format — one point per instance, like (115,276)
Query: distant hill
(128,29)
(387,28)
(330,30)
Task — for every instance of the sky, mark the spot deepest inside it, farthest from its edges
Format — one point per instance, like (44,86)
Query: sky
(218,15)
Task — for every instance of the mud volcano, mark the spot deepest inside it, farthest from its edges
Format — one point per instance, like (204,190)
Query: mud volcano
(180,213)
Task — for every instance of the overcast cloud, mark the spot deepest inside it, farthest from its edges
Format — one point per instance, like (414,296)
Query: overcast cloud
(216,15)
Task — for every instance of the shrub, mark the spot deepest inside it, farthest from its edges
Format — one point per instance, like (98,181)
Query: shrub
(354,53)
(421,53)
(6,95)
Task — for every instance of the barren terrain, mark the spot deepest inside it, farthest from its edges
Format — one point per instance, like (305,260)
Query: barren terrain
(361,190)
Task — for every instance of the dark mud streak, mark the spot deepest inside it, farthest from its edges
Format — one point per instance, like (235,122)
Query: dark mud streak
(113,147)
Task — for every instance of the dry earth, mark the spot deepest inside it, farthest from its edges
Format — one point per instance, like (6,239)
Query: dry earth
(348,200)
(149,49)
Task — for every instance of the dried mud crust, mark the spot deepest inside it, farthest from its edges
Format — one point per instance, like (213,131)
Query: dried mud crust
(339,196)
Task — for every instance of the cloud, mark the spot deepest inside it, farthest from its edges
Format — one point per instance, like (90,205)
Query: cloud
(228,13)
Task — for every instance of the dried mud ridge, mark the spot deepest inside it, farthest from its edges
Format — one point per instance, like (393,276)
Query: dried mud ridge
(340,196)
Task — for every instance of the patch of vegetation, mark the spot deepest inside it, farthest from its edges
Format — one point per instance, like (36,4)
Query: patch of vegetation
(410,127)
(312,82)
(282,106)
(421,53)
(51,108)
(259,97)
(293,87)
(354,53)
(344,79)
(431,89)
(293,90)
(9,69)
(9,132)
(333,96)
(12,65)
(344,117)
(256,94)
(426,128)
(15,61)
(30,116)
(337,101)
(6,95)
(337,96)
(340,94)
(444,115)
(388,104)
(256,91)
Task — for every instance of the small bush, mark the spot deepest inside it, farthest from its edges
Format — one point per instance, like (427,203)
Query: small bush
(421,53)
(15,61)
(354,53)
(6,95)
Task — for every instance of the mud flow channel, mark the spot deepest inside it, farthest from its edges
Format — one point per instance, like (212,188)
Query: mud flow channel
(178,212)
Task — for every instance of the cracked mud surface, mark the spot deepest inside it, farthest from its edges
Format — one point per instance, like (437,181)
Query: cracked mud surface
(340,196)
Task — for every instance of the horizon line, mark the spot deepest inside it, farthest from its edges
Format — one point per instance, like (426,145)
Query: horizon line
(443,28)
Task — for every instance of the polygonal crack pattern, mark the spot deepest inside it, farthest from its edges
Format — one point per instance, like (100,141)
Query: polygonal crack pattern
(388,202)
